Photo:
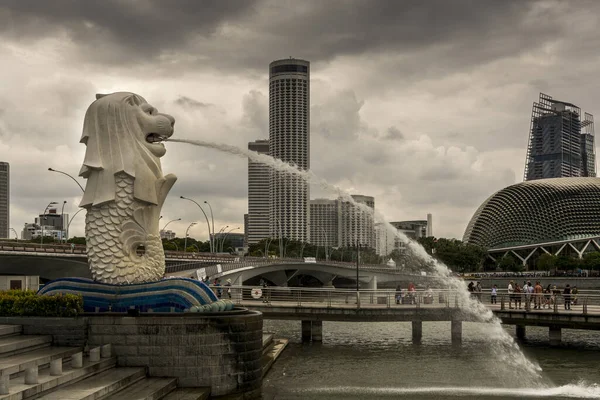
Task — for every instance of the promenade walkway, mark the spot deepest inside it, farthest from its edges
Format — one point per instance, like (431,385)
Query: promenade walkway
(313,306)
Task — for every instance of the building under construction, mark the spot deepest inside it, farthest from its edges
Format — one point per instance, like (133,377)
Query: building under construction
(560,143)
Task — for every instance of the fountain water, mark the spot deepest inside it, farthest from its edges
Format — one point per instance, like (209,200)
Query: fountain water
(509,357)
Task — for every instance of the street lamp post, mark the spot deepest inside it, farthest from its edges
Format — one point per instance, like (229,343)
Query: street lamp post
(326,243)
(167,224)
(220,233)
(212,217)
(72,218)
(207,223)
(16,235)
(223,240)
(64,173)
(44,217)
(62,222)
(280,238)
(357,261)
(186,236)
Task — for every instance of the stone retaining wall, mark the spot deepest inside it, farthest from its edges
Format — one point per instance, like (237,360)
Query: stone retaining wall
(64,331)
(222,352)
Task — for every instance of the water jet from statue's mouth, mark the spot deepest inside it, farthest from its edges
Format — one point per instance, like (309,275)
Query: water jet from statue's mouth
(155,138)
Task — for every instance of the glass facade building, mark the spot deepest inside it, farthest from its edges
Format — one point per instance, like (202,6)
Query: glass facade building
(4,199)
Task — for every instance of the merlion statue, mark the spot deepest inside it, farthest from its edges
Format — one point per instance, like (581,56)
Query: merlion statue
(125,188)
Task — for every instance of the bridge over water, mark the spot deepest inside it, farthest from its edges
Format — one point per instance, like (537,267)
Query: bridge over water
(59,261)
(313,306)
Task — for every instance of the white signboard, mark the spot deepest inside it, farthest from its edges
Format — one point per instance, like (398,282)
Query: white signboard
(219,268)
(201,274)
(311,260)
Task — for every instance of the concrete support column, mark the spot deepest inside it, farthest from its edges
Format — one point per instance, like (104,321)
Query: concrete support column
(77,360)
(31,376)
(555,335)
(317,331)
(106,351)
(56,367)
(4,384)
(456,331)
(417,331)
(306,331)
(372,286)
(520,331)
(95,354)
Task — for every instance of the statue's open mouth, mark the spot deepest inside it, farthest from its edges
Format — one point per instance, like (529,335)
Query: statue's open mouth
(155,138)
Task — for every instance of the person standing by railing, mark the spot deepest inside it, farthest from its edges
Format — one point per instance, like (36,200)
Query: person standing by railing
(538,293)
(567,296)
(574,292)
(517,296)
(511,294)
(494,294)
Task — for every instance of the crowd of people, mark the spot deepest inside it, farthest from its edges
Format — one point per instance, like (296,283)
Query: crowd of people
(539,296)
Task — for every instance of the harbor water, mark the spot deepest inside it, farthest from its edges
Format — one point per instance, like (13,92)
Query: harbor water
(379,361)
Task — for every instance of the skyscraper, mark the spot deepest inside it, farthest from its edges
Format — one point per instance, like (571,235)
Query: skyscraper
(357,224)
(324,222)
(289,141)
(557,147)
(4,199)
(257,227)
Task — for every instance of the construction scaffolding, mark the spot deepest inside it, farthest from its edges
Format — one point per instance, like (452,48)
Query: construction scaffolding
(557,146)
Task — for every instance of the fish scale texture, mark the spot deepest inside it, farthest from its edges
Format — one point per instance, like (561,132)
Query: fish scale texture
(112,255)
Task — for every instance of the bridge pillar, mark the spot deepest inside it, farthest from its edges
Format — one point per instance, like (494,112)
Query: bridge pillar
(312,330)
(317,331)
(555,335)
(520,331)
(456,331)
(306,331)
(417,331)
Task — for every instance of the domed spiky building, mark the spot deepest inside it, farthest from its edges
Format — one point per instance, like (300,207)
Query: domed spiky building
(544,211)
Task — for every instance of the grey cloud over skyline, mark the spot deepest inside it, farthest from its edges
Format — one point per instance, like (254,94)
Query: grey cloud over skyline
(423,104)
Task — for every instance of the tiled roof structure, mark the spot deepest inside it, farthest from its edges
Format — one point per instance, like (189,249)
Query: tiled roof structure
(537,211)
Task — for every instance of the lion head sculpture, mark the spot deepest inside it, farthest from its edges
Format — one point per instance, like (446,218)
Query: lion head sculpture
(122,133)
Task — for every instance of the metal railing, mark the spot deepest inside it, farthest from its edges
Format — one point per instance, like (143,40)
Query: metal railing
(581,303)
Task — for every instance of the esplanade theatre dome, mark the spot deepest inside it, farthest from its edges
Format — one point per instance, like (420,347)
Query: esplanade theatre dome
(538,211)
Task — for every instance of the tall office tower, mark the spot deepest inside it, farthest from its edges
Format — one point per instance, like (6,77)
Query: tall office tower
(289,141)
(257,224)
(356,224)
(4,199)
(324,220)
(557,147)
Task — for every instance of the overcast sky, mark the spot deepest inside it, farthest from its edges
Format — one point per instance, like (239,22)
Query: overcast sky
(424,105)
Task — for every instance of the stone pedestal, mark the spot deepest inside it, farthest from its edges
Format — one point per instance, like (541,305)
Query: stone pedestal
(220,351)
(456,332)
(417,331)
(520,332)
(555,335)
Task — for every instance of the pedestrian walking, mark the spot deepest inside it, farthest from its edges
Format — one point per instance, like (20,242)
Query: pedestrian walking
(518,292)
(574,293)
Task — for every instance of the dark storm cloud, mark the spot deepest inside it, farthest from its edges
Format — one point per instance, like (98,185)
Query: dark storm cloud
(184,32)
(185,101)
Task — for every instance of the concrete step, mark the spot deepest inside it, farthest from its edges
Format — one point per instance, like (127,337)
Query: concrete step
(146,389)
(11,345)
(9,330)
(97,386)
(275,351)
(46,383)
(188,394)
(267,339)
(19,362)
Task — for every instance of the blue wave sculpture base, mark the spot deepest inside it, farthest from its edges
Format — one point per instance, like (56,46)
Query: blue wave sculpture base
(167,295)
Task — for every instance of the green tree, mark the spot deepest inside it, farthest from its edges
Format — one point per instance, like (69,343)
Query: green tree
(567,263)
(546,262)
(77,240)
(509,263)
(592,260)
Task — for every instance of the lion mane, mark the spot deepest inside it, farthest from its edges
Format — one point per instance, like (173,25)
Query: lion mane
(112,135)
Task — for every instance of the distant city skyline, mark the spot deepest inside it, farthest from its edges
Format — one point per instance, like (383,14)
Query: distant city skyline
(423,117)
